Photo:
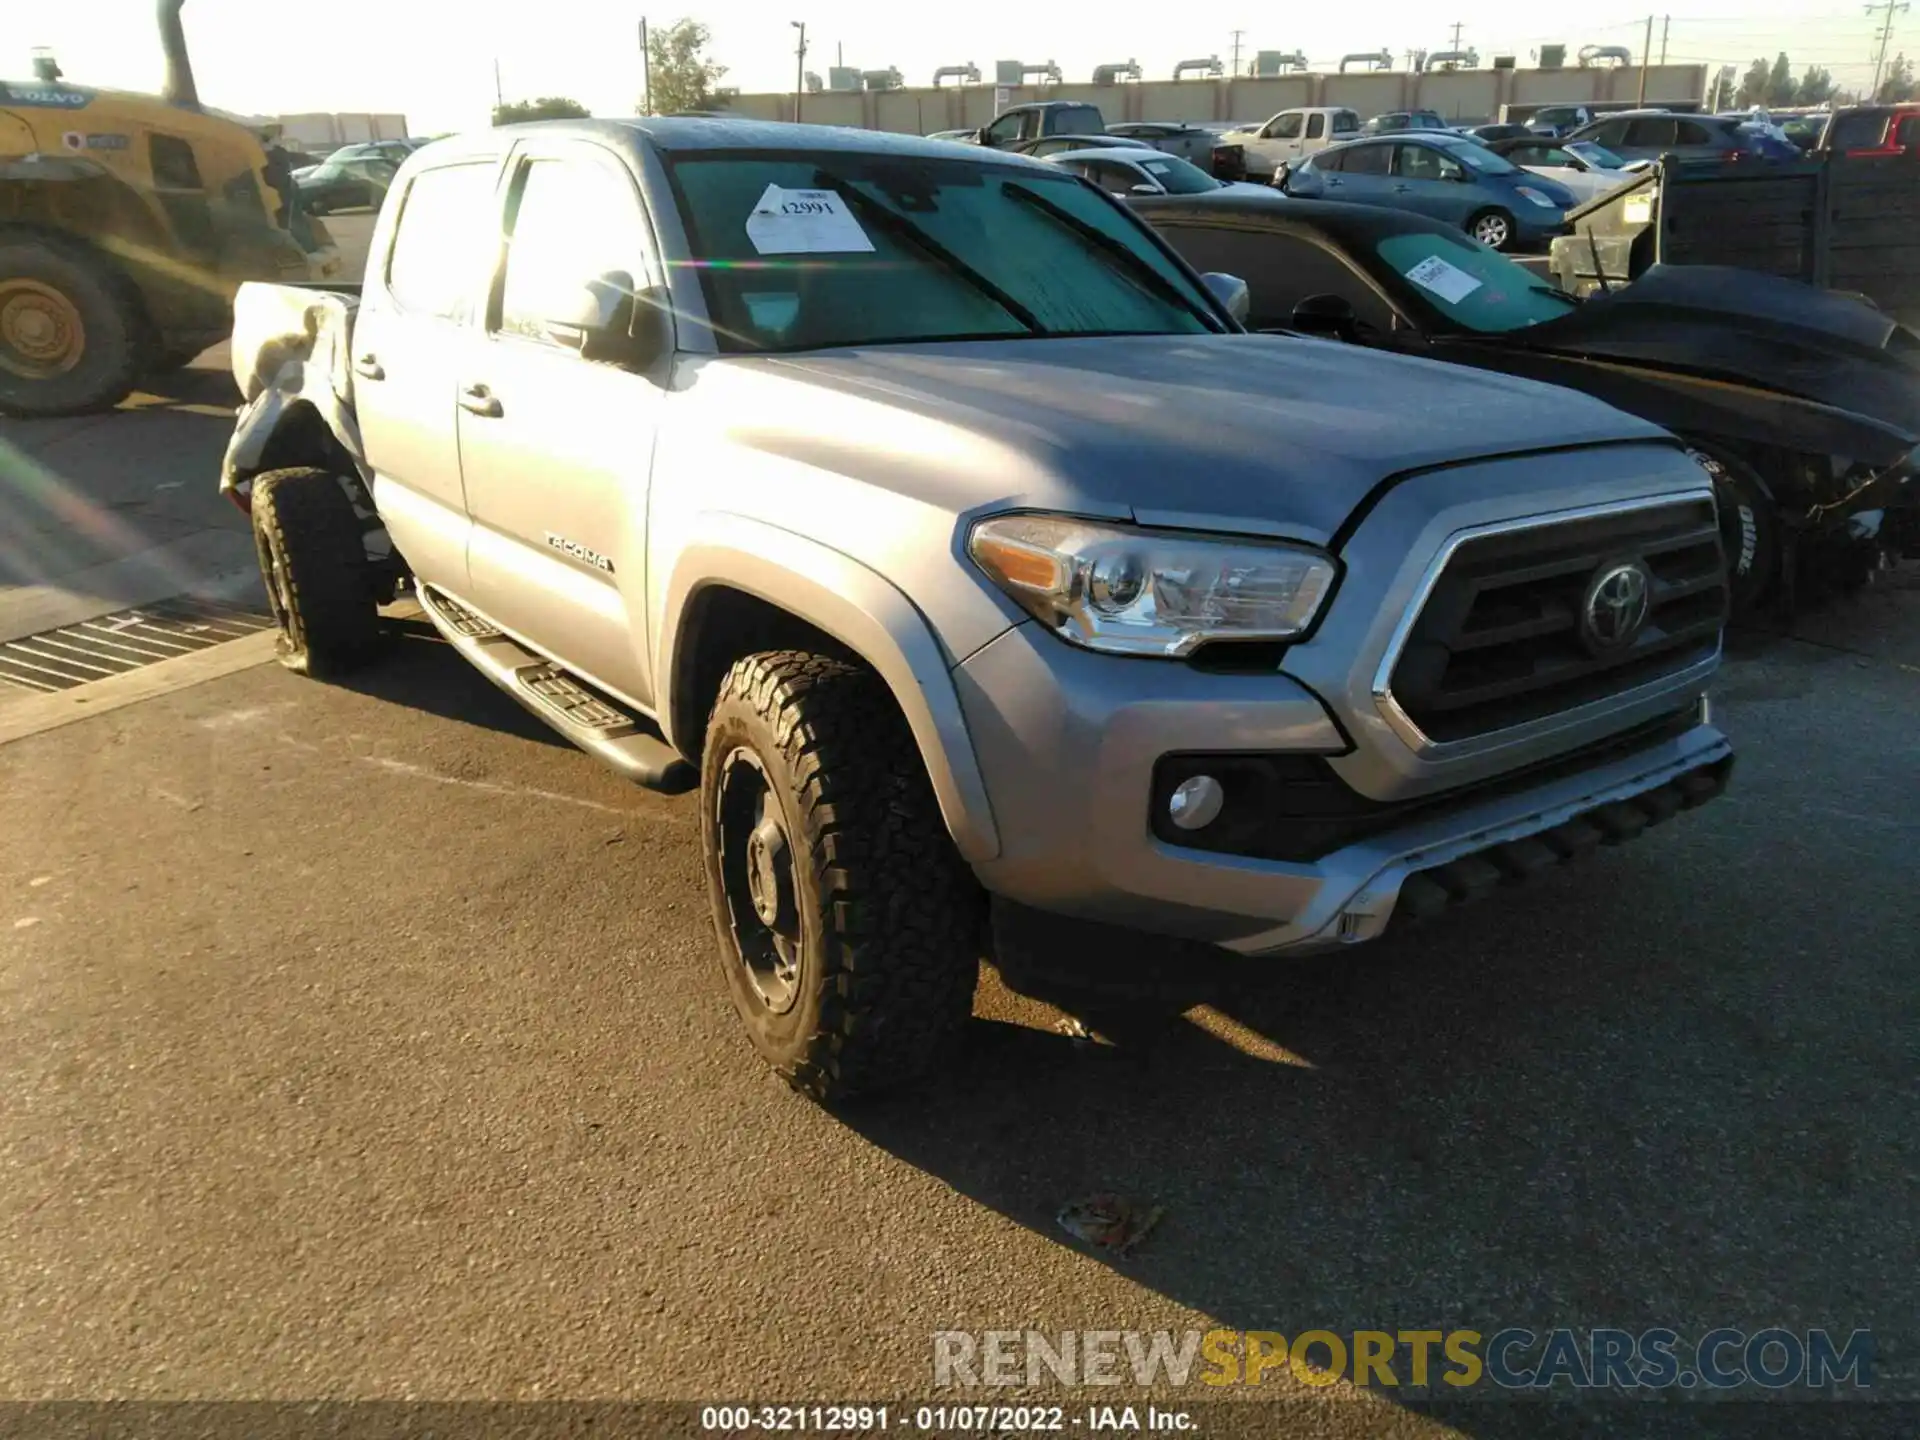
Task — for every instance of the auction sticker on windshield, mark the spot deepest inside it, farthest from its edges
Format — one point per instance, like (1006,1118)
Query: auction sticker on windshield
(1449,282)
(804,222)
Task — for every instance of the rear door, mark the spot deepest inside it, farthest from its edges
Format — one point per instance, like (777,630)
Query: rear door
(1363,177)
(557,449)
(1647,138)
(426,277)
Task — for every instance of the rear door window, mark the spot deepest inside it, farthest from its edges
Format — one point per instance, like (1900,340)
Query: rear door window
(1653,130)
(1367,159)
(1908,131)
(1316,126)
(446,241)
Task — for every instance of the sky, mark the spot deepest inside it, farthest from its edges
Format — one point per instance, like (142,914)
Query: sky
(416,58)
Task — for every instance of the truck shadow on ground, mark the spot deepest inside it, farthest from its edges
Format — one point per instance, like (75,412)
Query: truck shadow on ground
(1598,1102)
(422,672)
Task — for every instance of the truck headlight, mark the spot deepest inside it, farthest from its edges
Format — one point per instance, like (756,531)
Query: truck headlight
(1131,591)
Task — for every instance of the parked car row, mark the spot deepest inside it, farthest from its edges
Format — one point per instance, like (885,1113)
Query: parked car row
(937,517)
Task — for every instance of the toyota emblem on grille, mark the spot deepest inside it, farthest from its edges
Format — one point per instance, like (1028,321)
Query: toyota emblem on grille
(1615,606)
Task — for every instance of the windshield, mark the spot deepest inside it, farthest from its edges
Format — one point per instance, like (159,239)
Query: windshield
(1177,177)
(892,249)
(1476,288)
(1597,156)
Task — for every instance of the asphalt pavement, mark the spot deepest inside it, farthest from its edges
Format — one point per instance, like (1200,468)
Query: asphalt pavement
(364,1040)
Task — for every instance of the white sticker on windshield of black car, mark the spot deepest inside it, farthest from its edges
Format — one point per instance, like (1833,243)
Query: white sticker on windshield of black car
(804,222)
(1449,282)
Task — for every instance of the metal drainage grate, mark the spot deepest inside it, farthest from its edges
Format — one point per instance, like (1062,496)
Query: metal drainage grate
(126,640)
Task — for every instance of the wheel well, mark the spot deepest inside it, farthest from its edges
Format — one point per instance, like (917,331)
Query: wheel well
(303,437)
(722,625)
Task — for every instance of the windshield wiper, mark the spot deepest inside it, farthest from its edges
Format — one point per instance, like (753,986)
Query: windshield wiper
(900,225)
(1110,248)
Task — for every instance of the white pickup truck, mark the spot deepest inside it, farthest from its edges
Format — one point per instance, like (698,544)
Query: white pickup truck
(1292,135)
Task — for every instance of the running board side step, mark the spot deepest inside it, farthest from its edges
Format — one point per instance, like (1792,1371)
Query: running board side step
(598,725)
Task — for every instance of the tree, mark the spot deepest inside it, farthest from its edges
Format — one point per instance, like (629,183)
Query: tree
(680,77)
(547,107)
(1781,86)
(1816,87)
(1897,84)
(1753,87)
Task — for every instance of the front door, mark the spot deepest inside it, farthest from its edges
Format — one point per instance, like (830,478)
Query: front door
(556,449)
(425,277)
(1430,183)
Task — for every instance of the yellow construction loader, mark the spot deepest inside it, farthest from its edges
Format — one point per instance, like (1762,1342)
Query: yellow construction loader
(126,224)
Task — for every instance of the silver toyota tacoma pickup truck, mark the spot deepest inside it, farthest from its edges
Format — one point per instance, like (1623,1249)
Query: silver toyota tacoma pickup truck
(992,586)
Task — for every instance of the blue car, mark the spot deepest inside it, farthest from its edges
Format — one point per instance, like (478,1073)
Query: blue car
(1446,177)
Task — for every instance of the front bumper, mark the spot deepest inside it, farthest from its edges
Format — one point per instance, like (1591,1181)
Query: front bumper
(1068,740)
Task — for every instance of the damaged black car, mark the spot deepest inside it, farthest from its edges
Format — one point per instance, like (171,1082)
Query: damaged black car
(1803,404)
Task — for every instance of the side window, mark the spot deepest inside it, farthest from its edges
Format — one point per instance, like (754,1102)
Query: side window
(1857,132)
(574,220)
(1345,122)
(1555,156)
(1907,132)
(1416,162)
(174,167)
(1691,133)
(447,238)
(1285,127)
(1113,177)
(1333,161)
(1368,159)
(1006,128)
(1653,130)
(1614,132)
(1316,126)
(1281,269)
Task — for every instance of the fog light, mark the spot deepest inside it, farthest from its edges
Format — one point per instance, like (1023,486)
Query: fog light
(1196,802)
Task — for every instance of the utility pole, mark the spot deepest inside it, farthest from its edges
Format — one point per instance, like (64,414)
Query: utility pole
(500,97)
(1457,28)
(799,67)
(1666,24)
(1892,7)
(1235,71)
(646,72)
(1646,49)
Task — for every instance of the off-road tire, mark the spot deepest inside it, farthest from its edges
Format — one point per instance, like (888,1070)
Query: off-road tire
(323,599)
(1473,224)
(117,336)
(1749,528)
(890,917)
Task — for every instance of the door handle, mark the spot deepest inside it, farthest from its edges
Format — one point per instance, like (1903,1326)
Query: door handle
(367,367)
(1402,189)
(1333,180)
(479,400)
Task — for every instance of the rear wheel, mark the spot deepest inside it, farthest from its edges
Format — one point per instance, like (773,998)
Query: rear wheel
(73,333)
(313,561)
(849,926)
(1492,228)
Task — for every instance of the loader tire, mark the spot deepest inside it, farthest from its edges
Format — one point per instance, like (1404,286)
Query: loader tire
(74,334)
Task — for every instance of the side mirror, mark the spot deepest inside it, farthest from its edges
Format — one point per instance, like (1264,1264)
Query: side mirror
(1145,189)
(610,322)
(1331,317)
(1232,293)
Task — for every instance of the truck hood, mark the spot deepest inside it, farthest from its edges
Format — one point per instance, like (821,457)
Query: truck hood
(1288,432)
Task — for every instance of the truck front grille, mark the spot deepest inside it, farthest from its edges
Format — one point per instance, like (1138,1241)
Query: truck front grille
(1515,628)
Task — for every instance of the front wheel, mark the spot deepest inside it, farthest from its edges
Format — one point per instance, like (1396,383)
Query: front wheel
(1749,528)
(1492,228)
(313,562)
(849,927)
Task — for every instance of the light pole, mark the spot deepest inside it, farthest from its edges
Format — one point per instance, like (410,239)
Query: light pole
(799,67)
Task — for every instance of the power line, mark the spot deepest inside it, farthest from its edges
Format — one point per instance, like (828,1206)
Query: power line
(1892,7)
